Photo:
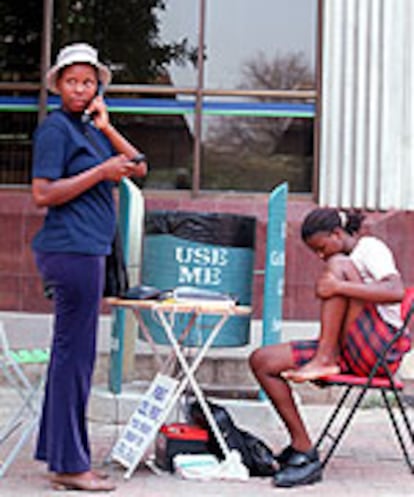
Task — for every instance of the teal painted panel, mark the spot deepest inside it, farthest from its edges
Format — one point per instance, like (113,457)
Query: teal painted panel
(170,261)
(275,266)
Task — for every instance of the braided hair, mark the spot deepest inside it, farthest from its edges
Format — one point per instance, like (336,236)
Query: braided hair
(327,219)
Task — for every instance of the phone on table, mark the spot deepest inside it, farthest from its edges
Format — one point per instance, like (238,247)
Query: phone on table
(88,116)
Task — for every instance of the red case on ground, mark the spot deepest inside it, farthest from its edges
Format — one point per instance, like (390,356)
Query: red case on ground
(178,438)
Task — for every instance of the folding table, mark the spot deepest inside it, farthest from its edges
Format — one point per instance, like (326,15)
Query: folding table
(164,313)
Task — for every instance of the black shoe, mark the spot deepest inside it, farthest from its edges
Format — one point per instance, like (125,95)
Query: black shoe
(283,457)
(289,456)
(297,468)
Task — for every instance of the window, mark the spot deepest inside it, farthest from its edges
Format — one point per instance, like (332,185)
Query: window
(257,94)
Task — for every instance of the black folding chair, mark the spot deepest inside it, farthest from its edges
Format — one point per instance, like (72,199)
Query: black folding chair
(388,385)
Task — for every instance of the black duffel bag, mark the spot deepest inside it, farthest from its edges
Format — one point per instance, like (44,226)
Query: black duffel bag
(256,455)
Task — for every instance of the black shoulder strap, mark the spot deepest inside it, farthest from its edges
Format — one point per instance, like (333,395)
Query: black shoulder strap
(89,136)
(85,130)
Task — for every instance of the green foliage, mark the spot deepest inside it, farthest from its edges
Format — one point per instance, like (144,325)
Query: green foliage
(126,33)
(20,39)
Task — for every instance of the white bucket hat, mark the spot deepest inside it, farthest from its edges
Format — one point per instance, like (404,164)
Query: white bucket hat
(73,54)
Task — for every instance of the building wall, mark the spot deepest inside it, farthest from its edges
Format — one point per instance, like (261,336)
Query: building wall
(367,87)
(21,288)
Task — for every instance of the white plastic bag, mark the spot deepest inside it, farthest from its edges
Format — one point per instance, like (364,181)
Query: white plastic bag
(207,467)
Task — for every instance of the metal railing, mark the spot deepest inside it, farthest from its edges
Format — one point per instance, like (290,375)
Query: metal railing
(23,97)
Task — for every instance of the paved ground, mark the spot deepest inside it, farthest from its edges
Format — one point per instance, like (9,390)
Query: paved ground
(368,463)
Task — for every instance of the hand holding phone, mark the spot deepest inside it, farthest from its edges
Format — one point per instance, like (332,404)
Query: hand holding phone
(139,158)
(117,167)
(88,116)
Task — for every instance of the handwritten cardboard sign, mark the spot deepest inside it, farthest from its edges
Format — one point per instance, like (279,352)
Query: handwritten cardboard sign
(144,423)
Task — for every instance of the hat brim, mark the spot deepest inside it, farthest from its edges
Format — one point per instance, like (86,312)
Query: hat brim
(104,74)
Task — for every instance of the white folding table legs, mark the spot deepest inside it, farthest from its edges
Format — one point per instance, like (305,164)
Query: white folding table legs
(189,371)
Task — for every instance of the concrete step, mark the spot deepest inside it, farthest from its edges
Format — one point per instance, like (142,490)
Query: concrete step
(222,366)
(117,409)
(224,372)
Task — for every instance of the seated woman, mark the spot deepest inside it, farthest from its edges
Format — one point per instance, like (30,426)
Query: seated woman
(360,292)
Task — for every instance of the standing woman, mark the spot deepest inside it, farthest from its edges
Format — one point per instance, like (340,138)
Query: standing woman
(75,167)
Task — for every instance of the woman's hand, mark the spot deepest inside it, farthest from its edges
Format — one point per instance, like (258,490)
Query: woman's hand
(97,108)
(117,167)
(140,169)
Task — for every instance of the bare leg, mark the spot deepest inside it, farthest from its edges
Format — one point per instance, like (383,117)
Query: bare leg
(267,363)
(337,313)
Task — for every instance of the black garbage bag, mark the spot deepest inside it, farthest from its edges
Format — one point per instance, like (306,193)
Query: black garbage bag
(213,228)
(116,276)
(256,455)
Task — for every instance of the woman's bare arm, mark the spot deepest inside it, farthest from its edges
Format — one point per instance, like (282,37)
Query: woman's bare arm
(48,192)
(387,290)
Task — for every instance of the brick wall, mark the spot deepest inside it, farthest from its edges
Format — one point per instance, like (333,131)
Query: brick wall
(21,289)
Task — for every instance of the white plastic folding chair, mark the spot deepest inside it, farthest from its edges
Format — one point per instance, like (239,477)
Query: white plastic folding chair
(24,417)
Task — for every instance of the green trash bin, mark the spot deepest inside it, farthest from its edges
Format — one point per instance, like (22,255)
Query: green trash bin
(212,251)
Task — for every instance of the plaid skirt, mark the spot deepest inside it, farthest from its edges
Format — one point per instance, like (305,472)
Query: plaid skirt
(361,345)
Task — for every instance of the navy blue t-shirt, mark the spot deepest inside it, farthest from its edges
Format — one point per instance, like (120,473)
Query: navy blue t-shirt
(85,224)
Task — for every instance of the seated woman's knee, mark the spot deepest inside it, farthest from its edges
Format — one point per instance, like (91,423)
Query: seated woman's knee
(259,359)
(270,359)
(343,267)
(337,263)
(254,359)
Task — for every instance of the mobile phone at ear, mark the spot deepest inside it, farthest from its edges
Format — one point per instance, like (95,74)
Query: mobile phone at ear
(87,116)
